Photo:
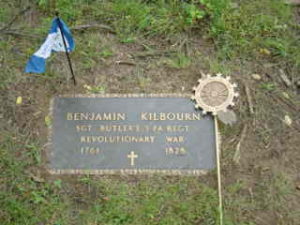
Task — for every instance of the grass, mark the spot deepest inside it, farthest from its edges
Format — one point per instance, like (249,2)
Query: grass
(239,29)
(24,200)
(147,203)
(252,29)
(247,30)
(27,197)
(179,61)
(131,18)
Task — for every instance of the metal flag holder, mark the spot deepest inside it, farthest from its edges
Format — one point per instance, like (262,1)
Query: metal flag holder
(60,26)
(215,94)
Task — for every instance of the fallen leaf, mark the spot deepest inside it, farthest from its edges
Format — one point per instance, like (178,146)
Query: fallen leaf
(19,100)
(227,117)
(256,76)
(48,121)
(287,120)
(286,95)
(87,87)
(264,51)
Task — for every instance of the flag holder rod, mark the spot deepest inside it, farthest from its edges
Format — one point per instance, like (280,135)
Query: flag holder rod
(66,49)
(218,171)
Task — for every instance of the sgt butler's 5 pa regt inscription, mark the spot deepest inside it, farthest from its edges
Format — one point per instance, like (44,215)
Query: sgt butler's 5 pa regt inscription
(106,134)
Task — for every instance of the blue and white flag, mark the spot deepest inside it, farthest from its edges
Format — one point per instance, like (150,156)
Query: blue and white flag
(53,43)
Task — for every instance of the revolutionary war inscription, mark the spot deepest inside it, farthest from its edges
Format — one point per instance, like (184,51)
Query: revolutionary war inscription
(107,134)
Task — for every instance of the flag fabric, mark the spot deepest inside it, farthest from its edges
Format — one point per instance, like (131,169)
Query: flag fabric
(53,43)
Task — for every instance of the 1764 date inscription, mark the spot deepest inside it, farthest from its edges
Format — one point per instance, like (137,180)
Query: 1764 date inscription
(108,134)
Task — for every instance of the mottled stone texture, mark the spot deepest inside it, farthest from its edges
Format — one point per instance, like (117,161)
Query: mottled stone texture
(150,133)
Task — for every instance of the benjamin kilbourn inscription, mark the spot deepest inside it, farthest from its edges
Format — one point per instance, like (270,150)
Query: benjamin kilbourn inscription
(108,134)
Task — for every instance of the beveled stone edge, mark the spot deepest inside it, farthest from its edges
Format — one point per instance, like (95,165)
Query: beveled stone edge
(48,146)
(132,95)
(126,172)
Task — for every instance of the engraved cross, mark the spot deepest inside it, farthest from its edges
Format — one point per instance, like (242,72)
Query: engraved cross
(132,157)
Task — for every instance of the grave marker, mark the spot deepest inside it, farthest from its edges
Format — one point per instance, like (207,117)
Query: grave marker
(108,134)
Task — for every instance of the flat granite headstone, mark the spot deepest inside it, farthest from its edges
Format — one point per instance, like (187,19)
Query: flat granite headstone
(108,134)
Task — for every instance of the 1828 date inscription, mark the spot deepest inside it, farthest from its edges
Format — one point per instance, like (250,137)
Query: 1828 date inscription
(107,134)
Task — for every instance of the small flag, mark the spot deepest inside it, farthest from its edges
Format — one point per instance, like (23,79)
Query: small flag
(53,43)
